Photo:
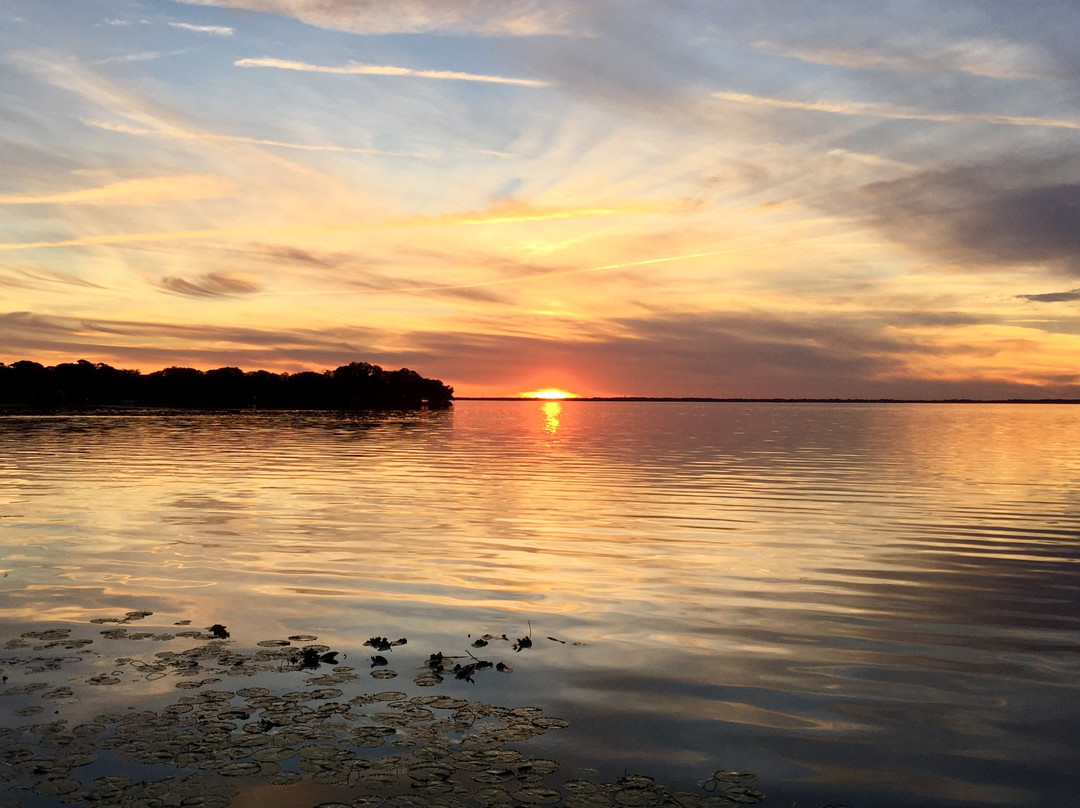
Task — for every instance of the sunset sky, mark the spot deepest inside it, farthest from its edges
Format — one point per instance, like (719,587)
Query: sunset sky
(734,198)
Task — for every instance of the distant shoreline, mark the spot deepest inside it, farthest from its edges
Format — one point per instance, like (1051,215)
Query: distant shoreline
(701,400)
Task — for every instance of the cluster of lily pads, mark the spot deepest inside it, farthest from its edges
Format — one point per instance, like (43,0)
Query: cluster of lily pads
(351,749)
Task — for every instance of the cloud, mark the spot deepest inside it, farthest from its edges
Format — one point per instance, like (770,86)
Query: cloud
(211,284)
(143,56)
(213,30)
(251,141)
(60,70)
(151,345)
(881,110)
(985,57)
(501,213)
(501,18)
(749,354)
(1019,213)
(39,277)
(514,211)
(147,191)
(354,69)
(722,353)
(183,336)
(1053,297)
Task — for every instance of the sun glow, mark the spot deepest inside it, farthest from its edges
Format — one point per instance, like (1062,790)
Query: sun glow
(549,394)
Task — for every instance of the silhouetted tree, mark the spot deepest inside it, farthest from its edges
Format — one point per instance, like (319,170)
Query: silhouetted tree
(81,384)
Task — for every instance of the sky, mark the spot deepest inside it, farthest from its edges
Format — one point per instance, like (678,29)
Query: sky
(729,198)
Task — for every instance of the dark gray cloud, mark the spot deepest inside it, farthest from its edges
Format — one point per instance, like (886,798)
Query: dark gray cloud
(1013,212)
(16,322)
(152,345)
(17,325)
(936,319)
(728,354)
(1053,297)
(1034,224)
(724,354)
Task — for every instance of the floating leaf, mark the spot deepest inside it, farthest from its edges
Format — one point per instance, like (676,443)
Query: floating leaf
(284,778)
(725,776)
(245,768)
(744,795)
(21,690)
(535,795)
(56,786)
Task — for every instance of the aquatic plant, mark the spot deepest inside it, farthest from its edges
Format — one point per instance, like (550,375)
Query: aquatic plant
(384,748)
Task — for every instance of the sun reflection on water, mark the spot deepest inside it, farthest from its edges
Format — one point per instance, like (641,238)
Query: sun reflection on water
(552,414)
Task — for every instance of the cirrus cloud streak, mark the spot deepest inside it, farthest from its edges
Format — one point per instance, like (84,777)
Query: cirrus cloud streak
(354,69)
(875,109)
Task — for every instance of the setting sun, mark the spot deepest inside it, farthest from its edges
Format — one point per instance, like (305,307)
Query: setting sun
(548,394)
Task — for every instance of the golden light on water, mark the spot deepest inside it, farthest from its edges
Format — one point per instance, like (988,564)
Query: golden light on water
(551,394)
(552,413)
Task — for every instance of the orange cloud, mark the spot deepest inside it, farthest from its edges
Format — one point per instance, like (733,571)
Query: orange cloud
(509,212)
(130,192)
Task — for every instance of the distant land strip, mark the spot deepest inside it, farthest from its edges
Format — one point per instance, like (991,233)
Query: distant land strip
(708,400)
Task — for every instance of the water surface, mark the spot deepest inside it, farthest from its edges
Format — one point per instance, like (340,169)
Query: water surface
(874,605)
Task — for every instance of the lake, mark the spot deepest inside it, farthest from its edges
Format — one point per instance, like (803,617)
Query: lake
(872,605)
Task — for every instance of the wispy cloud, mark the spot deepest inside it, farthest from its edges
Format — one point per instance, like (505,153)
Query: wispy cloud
(149,343)
(211,284)
(213,30)
(142,56)
(989,58)
(512,211)
(60,70)
(177,134)
(146,191)
(1053,297)
(355,69)
(882,110)
(507,212)
(40,277)
(505,18)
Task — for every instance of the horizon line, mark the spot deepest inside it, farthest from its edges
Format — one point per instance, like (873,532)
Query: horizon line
(777,400)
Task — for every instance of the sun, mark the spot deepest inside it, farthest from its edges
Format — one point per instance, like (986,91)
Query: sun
(550,394)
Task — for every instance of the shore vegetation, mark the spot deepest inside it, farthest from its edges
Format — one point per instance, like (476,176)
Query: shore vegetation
(84,385)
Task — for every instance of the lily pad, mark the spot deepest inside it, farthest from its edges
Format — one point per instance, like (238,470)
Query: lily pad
(535,795)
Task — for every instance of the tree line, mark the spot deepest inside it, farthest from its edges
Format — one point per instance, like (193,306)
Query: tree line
(86,385)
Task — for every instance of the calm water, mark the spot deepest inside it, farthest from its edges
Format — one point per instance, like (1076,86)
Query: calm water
(873,605)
